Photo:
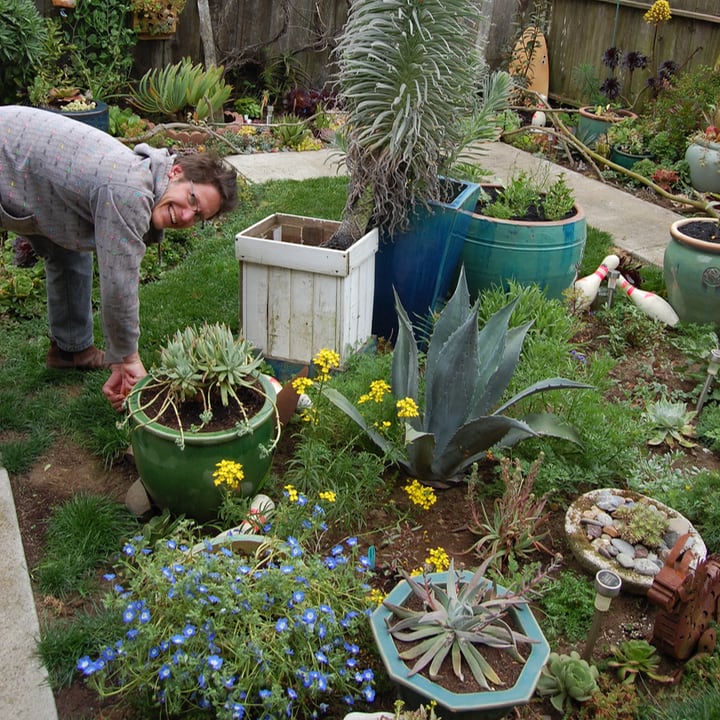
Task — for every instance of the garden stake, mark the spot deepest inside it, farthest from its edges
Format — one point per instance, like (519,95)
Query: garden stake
(612,282)
(607,586)
(712,371)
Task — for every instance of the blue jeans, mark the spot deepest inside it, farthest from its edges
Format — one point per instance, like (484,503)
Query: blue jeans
(68,280)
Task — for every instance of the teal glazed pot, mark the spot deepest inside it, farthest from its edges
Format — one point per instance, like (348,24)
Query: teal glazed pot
(98,117)
(181,480)
(703,159)
(547,254)
(626,159)
(691,271)
(422,262)
(591,126)
(416,690)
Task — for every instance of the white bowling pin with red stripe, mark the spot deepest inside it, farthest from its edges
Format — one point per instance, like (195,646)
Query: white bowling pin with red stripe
(650,303)
(588,286)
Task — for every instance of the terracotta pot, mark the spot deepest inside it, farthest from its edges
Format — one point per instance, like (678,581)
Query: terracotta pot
(64,3)
(691,270)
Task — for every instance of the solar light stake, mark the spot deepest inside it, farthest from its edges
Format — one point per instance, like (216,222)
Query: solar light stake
(607,586)
(712,371)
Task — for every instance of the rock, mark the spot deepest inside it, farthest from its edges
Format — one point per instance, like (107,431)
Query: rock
(137,500)
(604,519)
(643,566)
(611,531)
(624,547)
(627,561)
(593,531)
(641,551)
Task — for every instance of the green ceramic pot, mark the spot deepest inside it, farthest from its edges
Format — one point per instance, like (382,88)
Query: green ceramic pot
(546,254)
(691,270)
(626,159)
(703,159)
(591,126)
(417,689)
(181,480)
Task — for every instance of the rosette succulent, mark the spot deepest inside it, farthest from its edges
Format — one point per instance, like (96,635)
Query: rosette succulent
(566,678)
(456,619)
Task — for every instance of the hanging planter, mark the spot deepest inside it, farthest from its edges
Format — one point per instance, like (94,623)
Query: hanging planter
(156,19)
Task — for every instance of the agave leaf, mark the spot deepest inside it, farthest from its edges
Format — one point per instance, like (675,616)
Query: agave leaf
(424,651)
(500,379)
(342,403)
(404,374)
(449,320)
(556,383)
(546,425)
(418,634)
(457,661)
(437,661)
(470,443)
(420,448)
(447,388)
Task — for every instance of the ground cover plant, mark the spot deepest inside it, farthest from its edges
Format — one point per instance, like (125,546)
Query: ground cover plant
(59,437)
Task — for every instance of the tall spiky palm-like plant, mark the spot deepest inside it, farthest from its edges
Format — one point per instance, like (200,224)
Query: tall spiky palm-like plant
(416,96)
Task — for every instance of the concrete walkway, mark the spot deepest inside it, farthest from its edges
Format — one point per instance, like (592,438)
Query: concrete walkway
(638,227)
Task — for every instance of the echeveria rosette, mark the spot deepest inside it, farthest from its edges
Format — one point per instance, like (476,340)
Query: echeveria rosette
(566,678)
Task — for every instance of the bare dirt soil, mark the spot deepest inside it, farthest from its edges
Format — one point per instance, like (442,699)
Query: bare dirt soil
(67,469)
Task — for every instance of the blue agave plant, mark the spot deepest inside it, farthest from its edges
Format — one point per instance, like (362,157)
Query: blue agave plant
(466,373)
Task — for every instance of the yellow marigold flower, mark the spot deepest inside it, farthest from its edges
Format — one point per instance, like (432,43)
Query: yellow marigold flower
(293,494)
(659,12)
(328,495)
(228,473)
(438,558)
(377,596)
(407,408)
(421,495)
(301,384)
(325,361)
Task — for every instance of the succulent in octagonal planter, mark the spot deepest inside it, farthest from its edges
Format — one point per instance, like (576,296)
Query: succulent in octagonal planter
(417,689)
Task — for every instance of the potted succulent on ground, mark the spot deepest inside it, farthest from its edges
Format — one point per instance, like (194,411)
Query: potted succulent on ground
(691,269)
(446,626)
(412,108)
(531,231)
(594,121)
(629,140)
(205,401)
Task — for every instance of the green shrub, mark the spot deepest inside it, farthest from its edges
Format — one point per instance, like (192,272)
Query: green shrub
(22,39)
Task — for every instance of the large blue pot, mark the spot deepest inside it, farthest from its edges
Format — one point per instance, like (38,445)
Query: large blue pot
(98,117)
(547,254)
(416,690)
(422,262)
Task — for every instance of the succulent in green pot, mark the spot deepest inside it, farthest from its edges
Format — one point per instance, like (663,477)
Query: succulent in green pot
(205,401)
(457,414)
(566,678)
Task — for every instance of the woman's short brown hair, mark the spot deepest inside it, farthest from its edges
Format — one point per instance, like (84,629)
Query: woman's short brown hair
(210,169)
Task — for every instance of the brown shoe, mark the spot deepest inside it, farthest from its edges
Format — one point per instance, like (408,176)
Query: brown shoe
(88,359)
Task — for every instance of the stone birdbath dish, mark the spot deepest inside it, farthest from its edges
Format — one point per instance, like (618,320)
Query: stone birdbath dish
(595,525)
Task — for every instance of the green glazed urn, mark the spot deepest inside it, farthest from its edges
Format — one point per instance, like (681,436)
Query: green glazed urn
(691,270)
(181,479)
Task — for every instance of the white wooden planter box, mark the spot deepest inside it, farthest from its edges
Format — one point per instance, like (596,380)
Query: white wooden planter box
(296,297)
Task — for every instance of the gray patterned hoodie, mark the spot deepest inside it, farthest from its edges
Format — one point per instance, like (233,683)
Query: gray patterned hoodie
(86,191)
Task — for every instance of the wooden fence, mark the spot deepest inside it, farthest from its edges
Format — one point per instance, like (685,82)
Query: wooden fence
(581,30)
(249,34)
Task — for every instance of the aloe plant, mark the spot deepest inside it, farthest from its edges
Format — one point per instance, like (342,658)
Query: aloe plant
(466,373)
(177,88)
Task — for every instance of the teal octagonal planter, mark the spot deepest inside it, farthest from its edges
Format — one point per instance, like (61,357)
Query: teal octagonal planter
(416,690)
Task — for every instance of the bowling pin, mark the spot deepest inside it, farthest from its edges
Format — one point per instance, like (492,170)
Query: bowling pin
(650,303)
(589,285)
